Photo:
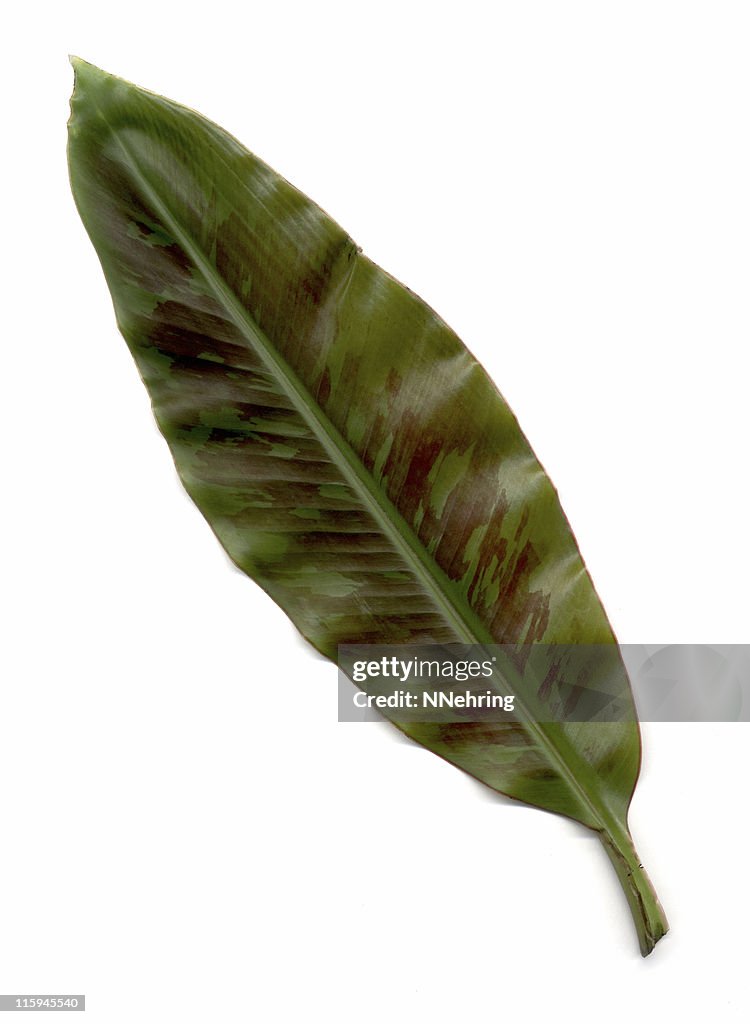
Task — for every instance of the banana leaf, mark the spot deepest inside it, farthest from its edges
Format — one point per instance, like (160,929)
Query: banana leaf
(348,451)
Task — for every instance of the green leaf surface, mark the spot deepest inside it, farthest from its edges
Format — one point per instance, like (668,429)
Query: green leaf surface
(350,454)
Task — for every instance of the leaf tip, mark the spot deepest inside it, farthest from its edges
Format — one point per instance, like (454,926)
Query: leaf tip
(89,82)
(83,69)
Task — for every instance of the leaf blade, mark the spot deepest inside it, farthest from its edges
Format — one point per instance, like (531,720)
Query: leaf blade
(332,428)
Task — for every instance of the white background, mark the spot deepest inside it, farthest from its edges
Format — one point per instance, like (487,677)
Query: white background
(186,832)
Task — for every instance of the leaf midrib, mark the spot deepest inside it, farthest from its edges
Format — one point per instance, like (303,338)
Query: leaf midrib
(462,618)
